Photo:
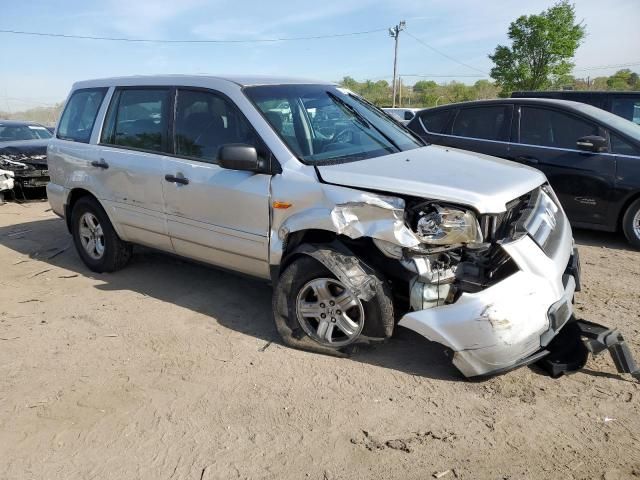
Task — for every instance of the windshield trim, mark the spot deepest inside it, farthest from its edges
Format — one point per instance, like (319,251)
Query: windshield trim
(334,160)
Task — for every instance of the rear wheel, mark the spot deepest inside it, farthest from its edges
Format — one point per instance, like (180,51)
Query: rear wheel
(95,239)
(631,224)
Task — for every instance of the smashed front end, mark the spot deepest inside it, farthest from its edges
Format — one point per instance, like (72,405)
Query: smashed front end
(28,164)
(494,289)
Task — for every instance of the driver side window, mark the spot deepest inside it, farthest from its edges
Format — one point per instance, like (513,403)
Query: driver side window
(206,121)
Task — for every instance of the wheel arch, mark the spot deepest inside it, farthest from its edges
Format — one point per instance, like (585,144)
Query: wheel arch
(361,247)
(625,206)
(72,198)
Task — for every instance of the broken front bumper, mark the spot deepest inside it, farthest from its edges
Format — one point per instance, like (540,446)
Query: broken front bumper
(507,324)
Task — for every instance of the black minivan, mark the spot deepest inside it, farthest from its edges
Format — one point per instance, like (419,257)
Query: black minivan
(590,156)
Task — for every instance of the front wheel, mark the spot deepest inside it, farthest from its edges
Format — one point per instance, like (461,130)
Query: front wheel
(631,224)
(315,311)
(95,239)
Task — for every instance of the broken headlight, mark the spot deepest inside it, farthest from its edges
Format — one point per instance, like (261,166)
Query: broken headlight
(441,225)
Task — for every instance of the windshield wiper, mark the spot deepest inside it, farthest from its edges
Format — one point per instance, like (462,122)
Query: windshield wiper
(362,119)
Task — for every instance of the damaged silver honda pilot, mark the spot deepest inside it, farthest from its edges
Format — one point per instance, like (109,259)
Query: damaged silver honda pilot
(360,226)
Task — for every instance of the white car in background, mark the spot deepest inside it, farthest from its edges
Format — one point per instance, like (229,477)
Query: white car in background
(405,115)
(6,183)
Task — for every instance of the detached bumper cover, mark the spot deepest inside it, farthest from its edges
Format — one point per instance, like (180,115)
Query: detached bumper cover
(504,325)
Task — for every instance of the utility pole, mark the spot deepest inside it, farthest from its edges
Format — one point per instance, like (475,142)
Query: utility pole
(394,33)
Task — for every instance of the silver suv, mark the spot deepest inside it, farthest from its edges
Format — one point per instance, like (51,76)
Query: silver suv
(358,224)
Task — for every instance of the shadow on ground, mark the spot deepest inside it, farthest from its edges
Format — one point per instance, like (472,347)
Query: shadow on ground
(211,292)
(594,238)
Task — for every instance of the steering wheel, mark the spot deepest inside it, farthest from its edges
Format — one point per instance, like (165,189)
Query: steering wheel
(343,136)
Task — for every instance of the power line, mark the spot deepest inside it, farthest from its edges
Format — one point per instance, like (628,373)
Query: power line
(604,67)
(445,55)
(149,40)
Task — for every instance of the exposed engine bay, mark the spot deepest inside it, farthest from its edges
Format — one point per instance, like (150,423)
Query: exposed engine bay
(28,162)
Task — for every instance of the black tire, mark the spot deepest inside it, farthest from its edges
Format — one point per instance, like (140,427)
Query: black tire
(378,311)
(116,253)
(631,231)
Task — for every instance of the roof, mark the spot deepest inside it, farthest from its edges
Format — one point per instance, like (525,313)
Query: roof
(241,80)
(501,101)
(569,93)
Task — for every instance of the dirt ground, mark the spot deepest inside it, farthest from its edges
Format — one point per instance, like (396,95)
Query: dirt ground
(172,370)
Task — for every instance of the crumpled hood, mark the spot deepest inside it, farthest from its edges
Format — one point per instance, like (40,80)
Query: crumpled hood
(30,152)
(479,181)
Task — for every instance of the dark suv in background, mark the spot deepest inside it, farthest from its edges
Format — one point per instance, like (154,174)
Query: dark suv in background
(623,104)
(591,157)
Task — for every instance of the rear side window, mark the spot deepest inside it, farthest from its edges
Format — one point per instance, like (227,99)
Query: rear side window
(550,128)
(487,123)
(79,116)
(205,121)
(138,118)
(435,122)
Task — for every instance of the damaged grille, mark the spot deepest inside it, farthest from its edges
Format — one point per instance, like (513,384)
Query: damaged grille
(537,214)
(499,226)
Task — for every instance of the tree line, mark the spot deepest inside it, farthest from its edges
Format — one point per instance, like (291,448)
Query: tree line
(428,93)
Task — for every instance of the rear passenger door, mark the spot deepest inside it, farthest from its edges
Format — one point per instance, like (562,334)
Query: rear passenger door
(134,141)
(214,214)
(583,181)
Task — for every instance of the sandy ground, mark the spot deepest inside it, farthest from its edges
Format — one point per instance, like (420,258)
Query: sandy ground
(171,370)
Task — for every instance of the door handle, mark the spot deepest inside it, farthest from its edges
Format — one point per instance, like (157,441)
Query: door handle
(527,159)
(174,179)
(100,164)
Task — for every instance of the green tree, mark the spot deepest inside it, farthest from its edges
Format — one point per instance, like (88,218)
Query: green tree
(623,80)
(542,47)
(424,86)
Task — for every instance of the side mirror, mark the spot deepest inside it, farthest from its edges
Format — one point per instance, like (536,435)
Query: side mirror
(408,115)
(592,143)
(238,156)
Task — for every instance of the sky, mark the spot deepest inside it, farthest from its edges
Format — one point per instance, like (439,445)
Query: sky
(38,71)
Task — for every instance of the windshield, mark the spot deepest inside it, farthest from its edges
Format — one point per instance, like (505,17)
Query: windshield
(10,133)
(325,124)
(623,125)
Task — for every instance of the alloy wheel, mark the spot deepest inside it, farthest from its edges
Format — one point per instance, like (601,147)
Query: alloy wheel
(329,313)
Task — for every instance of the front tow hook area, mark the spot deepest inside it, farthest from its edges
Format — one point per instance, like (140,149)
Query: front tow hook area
(569,350)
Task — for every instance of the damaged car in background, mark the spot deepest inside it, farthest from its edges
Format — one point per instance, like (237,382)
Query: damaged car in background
(361,227)
(27,159)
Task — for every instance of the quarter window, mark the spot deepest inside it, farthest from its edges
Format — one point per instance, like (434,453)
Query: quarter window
(622,147)
(79,116)
(435,122)
(139,119)
(550,128)
(488,123)
(206,121)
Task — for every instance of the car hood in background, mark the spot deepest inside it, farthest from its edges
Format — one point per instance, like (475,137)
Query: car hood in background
(479,181)
(32,152)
